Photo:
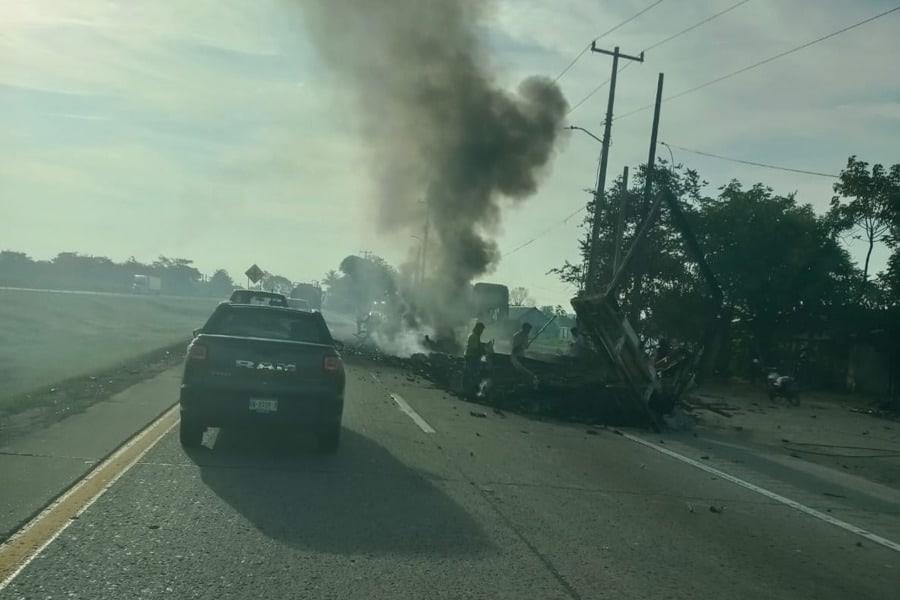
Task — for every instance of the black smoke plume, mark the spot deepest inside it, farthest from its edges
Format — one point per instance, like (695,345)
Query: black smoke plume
(439,131)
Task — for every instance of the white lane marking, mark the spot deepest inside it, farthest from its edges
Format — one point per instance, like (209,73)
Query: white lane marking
(872,537)
(111,458)
(406,408)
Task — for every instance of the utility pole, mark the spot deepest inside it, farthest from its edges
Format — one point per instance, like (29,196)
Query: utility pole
(649,175)
(604,158)
(651,159)
(620,221)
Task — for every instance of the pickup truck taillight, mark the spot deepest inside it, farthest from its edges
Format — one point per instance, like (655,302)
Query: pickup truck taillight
(197,351)
(332,363)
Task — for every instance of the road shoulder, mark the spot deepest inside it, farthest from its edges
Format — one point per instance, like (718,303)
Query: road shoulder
(37,467)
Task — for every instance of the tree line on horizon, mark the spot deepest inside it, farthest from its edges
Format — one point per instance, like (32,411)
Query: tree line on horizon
(75,271)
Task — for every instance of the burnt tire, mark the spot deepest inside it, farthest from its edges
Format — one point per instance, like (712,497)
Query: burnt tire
(329,439)
(190,433)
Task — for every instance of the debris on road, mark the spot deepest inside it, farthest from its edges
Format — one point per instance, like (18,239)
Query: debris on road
(716,509)
(478,414)
(567,389)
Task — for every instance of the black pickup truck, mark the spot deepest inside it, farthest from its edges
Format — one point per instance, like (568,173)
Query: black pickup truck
(263,365)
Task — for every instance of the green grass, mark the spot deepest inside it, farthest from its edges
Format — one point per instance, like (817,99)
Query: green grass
(46,337)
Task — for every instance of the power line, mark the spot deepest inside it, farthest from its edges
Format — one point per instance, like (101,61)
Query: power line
(682,148)
(657,45)
(696,25)
(603,35)
(572,63)
(544,232)
(750,162)
(764,61)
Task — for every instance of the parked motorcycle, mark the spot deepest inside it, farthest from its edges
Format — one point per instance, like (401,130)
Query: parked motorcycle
(783,386)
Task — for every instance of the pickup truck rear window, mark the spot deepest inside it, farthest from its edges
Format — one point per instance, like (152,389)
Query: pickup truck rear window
(258,298)
(275,325)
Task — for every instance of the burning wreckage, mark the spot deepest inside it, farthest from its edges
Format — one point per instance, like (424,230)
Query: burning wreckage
(607,376)
(451,151)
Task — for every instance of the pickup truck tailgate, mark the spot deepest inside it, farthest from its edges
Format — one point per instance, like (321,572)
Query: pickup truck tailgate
(275,367)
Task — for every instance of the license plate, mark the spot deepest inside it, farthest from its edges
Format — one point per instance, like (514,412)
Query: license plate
(263,405)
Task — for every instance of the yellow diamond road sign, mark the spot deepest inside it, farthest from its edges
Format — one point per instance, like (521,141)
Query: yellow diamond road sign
(254,273)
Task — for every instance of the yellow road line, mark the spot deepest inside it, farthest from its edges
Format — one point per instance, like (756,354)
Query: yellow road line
(27,543)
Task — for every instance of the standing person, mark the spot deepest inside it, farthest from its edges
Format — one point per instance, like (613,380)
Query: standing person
(473,354)
(520,343)
(581,349)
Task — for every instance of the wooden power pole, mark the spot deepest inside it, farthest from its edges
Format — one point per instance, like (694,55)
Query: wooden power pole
(592,283)
(620,222)
(640,265)
(654,132)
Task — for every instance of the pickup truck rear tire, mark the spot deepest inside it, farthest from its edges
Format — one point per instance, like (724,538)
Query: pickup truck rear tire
(190,433)
(329,439)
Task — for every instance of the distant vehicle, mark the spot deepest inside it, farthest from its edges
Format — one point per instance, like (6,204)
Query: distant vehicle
(263,366)
(146,284)
(258,297)
(310,292)
(298,304)
(490,302)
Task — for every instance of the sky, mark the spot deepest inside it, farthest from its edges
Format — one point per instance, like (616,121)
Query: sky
(211,130)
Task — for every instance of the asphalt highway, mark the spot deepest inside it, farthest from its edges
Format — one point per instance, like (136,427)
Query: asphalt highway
(432,497)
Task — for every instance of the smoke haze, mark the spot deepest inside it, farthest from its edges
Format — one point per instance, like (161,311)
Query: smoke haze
(437,127)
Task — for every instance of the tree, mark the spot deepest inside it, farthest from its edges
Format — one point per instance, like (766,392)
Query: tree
(780,268)
(221,284)
(331,278)
(518,296)
(361,281)
(179,275)
(866,202)
(277,283)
